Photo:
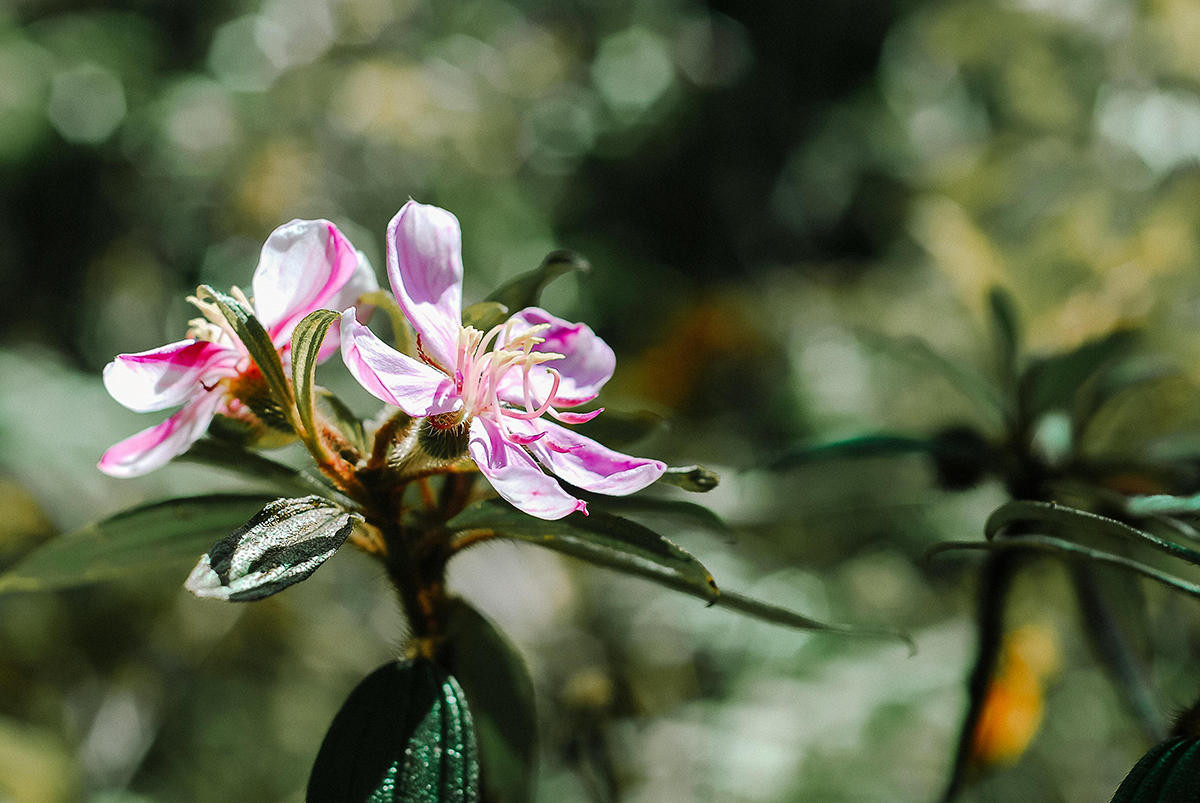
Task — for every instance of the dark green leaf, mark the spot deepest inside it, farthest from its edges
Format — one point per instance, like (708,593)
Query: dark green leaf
(281,545)
(403,736)
(623,545)
(617,428)
(526,289)
(135,541)
(484,315)
(401,335)
(1114,616)
(1059,517)
(500,694)
(257,342)
(859,446)
(1169,773)
(221,454)
(1067,549)
(337,414)
(307,338)
(599,538)
(696,479)
(654,507)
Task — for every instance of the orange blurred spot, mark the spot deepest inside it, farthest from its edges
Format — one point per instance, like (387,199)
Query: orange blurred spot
(1015,701)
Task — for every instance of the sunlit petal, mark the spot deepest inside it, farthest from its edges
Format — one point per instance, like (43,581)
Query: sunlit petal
(515,475)
(167,376)
(154,447)
(393,377)
(424,247)
(587,464)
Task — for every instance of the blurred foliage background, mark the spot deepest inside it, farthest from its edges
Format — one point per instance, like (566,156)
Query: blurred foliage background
(758,186)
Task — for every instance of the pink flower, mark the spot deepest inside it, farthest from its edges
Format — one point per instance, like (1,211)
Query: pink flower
(494,403)
(305,265)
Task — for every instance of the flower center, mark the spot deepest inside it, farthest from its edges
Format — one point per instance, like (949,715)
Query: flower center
(479,373)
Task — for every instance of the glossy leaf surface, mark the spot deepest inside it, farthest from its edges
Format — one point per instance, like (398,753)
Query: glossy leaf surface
(500,693)
(404,734)
(307,338)
(281,545)
(1169,773)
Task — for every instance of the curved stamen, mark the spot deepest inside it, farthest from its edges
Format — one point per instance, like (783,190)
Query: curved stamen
(546,405)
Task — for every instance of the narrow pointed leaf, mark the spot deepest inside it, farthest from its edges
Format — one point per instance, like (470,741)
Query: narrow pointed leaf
(220,454)
(969,382)
(337,414)
(1163,505)
(1067,549)
(404,735)
(1006,331)
(871,445)
(631,548)
(307,338)
(599,538)
(281,545)
(668,510)
(132,542)
(257,342)
(402,337)
(500,695)
(696,479)
(1114,616)
(1049,514)
(1051,383)
(526,289)
(484,315)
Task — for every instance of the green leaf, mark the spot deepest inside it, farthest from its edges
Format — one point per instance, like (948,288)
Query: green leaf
(526,290)
(500,694)
(1051,383)
(858,446)
(404,735)
(1169,773)
(307,338)
(631,548)
(1067,549)
(135,541)
(1114,615)
(969,382)
(257,342)
(221,454)
(337,414)
(617,428)
(599,538)
(484,315)
(401,334)
(281,545)
(671,510)
(696,479)
(1163,505)
(1006,332)
(1068,518)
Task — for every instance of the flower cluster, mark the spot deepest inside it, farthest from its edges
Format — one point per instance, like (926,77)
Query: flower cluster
(500,397)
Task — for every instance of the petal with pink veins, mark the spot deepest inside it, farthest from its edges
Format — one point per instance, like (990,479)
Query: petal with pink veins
(589,362)
(515,476)
(154,447)
(587,464)
(424,249)
(393,377)
(303,266)
(167,376)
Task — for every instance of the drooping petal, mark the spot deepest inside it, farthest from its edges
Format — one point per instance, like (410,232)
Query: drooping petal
(361,281)
(515,476)
(304,264)
(587,464)
(588,361)
(424,248)
(393,377)
(154,447)
(167,376)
